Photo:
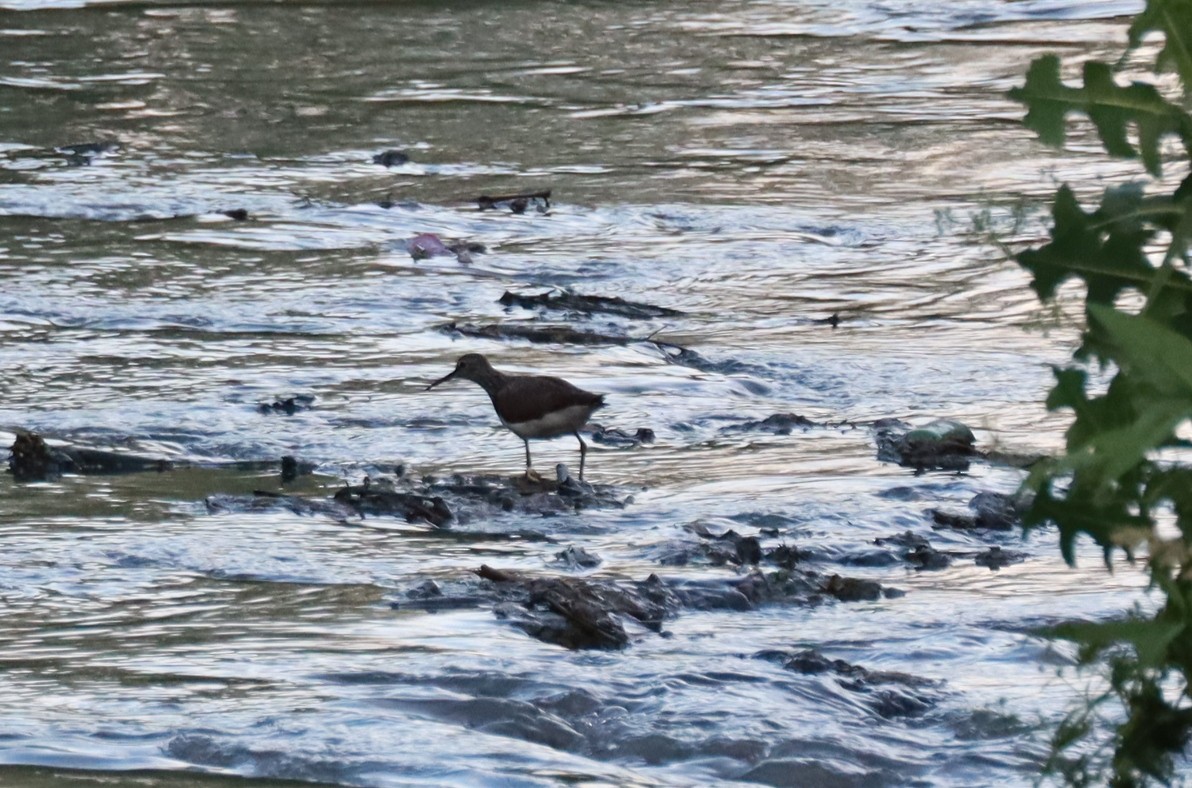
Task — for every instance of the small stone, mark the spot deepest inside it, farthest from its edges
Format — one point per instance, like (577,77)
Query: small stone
(391,158)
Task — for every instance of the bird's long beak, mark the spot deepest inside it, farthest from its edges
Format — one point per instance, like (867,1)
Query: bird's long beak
(443,379)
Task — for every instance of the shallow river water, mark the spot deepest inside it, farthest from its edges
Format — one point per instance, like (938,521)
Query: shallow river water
(759,166)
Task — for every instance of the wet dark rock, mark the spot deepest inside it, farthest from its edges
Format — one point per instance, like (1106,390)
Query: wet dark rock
(907,539)
(995,558)
(997,510)
(778,587)
(786,556)
(516,203)
(463,498)
(414,507)
(961,522)
(748,549)
(288,406)
(778,424)
(425,590)
(236,214)
(940,445)
(593,613)
(426,245)
(889,693)
(720,549)
(927,557)
(32,459)
(391,158)
(833,320)
(609,436)
(852,589)
(992,511)
(579,613)
(916,550)
(585,304)
(578,558)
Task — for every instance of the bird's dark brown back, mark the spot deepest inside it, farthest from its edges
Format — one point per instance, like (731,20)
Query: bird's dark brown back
(527,398)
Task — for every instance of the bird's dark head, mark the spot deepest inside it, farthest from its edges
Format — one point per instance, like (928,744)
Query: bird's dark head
(472,366)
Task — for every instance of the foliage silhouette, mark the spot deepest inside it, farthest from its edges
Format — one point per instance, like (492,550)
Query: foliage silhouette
(1126,470)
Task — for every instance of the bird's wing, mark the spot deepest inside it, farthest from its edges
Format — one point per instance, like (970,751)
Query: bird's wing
(528,398)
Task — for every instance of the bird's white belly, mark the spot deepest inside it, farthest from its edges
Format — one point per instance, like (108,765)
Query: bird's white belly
(560,422)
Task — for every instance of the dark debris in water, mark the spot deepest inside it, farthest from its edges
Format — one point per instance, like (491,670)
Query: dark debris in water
(586,304)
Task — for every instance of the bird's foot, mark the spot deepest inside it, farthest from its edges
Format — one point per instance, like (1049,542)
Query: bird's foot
(533,476)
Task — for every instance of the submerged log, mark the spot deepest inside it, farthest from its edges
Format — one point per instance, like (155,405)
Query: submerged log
(574,302)
(34,460)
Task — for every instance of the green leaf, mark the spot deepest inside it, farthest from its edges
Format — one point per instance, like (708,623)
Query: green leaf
(1150,639)
(1079,514)
(1172,18)
(1111,107)
(1148,351)
(1109,454)
(1105,248)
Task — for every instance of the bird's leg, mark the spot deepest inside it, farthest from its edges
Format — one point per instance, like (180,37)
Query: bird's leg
(531,474)
(583,450)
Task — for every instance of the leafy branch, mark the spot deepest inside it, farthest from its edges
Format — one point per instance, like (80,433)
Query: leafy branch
(1124,470)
